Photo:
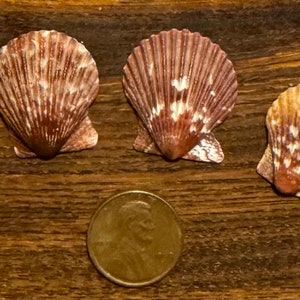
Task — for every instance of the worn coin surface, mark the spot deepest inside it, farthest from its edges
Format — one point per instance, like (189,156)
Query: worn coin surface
(134,238)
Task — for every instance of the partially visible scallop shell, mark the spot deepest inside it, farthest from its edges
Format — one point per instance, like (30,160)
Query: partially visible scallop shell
(47,82)
(280,164)
(181,86)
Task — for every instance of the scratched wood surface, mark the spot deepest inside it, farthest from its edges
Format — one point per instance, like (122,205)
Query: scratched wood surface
(242,240)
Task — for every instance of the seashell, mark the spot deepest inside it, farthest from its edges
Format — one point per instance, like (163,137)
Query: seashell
(280,164)
(48,80)
(181,86)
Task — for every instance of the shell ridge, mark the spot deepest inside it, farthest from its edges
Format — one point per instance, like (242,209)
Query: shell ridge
(14,88)
(6,95)
(202,47)
(218,94)
(145,92)
(83,137)
(70,66)
(208,79)
(175,50)
(54,66)
(148,82)
(43,65)
(51,104)
(137,81)
(158,109)
(199,93)
(187,64)
(30,76)
(73,90)
(65,75)
(182,76)
(134,81)
(39,49)
(159,46)
(178,80)
(151,71)
(153,125)
(193,71)
(157,43)
(42,79)
(225,98)
(171,63)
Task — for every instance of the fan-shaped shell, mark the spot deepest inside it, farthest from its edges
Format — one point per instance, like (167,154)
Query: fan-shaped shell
(280,164)
(47,82)
(181,86)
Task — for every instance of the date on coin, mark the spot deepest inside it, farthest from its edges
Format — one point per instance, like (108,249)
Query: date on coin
(134,238)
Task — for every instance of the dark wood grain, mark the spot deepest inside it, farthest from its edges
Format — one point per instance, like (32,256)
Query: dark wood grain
(242,240)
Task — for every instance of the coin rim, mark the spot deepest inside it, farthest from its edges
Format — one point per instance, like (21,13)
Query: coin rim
(120,281)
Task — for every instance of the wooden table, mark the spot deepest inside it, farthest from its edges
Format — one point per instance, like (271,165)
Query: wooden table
(242,240)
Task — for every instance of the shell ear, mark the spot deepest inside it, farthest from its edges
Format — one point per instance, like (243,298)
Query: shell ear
(265,167)
(84,137)
(181,85)
(208,150)
(144,141)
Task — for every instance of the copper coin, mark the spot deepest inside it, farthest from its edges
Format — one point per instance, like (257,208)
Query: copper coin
(134,238)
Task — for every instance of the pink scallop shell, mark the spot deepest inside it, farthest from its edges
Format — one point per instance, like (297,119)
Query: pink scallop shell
(181,86)
(280,164)
(47,82)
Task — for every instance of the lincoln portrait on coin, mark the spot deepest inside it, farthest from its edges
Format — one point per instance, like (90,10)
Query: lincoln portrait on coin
(129,256)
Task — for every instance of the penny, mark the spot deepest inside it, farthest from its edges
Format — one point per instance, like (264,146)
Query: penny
(134,238)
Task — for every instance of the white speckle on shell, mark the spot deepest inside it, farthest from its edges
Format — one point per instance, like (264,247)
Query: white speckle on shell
(46,33)
(296,170)
(292,147)
(206,120)
(276,164)
(294,131)
(197,117)
(193,128)
(43,62)
(287,162)
(178,108)
(274,122)
(3,49)
(72,88)
(210,79)
(150,69)
(155,112)
(181,84)
(81,48)
(277,152)
(44,83)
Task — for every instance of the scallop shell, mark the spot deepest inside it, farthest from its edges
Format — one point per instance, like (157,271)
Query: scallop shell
(280,164)
(181,86)
(47,82)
